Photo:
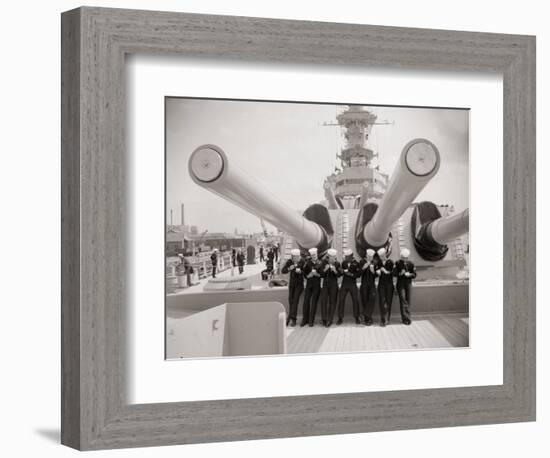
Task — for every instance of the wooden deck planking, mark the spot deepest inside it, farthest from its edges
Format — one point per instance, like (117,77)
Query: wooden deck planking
(387,340)
(453,327)
(413,336)
(430,336)
(329,344)
(461,327)
(399,338)
(449,332)
(426,331)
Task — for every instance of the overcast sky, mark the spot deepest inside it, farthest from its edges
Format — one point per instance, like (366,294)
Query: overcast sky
(286,148)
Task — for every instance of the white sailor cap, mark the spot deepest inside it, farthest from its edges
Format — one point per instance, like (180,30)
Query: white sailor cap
(215,249)
(347,252)
(381,252)
(312,251)
(405,253)
(332,252)
(295,252)
(180,255)
(370,252)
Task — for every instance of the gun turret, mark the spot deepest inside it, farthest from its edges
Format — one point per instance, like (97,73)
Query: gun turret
(417,165)
(431,232)
(210,168)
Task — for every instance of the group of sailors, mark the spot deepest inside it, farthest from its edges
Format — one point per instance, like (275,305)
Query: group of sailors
(318,278)
(237,260)
(272,253)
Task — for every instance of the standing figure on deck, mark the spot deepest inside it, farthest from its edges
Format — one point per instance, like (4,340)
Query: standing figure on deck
(405,271)
(312,272)
(184,268)
(384,271)
(350,271)
(368,288)
(240,261)
(276,251)
(234,257)
(294,266)
(261,253)
(271,257)
(214,260)
(330,272)
(188,271)
(267,273)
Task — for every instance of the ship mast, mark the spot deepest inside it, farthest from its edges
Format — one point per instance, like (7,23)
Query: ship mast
(357,124)
(357,179)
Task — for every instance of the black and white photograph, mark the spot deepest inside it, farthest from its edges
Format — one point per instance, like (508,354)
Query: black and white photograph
(242,229)
(299,228)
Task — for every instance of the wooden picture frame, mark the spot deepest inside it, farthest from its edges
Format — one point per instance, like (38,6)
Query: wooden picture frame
(95,411)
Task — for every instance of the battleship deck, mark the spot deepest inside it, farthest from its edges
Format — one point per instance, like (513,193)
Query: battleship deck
(427,331)
(439,312)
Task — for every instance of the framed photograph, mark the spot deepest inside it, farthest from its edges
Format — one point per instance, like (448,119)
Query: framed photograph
(333,263)
(266,228)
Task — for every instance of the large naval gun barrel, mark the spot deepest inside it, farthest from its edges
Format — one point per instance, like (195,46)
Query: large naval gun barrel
(443,230)
(418,163)
(431,232)
(210,168)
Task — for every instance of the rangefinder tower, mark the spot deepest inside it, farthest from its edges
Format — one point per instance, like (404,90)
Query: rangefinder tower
(363,207)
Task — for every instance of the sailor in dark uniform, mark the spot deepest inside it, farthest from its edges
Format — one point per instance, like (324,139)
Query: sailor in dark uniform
(350,272)
(405,271)
(384,271)
(312,273)
(214,260)
(294,266)
(367,290)
(240,261)
(330,272)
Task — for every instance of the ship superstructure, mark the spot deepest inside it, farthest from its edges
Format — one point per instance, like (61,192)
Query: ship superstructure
(363,207)
(356,175)
(357,181)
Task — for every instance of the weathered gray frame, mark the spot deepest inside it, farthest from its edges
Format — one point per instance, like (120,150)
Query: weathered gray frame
(95,413)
